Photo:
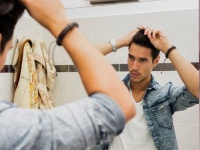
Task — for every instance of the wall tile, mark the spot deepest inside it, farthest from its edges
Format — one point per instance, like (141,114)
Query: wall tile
(187,24)
(76,89)
(61,89)
(187,136)
(6,88)
(189,116)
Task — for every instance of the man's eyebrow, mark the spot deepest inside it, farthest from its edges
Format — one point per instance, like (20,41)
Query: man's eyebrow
(143,58)
(140,57)
(130,55)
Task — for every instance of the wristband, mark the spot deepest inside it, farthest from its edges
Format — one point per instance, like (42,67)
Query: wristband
(113,44)
(169,50)
(65,31)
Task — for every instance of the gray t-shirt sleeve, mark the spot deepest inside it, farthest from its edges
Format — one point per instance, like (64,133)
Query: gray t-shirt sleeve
(75,126)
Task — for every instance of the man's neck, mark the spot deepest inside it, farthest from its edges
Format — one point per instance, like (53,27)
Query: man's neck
(139,89)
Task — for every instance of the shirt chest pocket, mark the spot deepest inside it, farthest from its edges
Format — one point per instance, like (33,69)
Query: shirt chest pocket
(162,114)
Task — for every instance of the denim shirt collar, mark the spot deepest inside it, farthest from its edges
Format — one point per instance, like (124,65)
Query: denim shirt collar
(153,85)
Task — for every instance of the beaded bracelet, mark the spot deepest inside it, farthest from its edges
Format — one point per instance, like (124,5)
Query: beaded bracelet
(65,31)
(169,50)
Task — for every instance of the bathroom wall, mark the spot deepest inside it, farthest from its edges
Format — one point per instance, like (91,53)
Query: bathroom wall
(99,24)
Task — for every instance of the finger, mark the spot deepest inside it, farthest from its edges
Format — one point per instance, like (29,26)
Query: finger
(149,32)
(140,27)
(152,33)
(155,34)
(146,30)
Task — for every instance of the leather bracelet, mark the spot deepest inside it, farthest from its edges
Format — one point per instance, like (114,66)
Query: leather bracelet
(169,50)
(65,31)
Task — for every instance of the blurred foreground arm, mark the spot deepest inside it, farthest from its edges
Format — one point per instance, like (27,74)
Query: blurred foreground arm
(96,74)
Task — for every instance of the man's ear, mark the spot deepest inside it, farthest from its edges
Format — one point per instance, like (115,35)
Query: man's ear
(156,60)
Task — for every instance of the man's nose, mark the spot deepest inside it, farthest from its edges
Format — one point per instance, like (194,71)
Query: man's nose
(135,65)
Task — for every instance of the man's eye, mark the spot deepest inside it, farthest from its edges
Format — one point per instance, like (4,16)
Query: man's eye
(143,60)
(131,57)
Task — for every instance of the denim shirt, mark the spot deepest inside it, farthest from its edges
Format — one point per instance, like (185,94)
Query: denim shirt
(159,104)
(75,126)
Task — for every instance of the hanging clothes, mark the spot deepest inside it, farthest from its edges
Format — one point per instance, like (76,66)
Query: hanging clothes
(34,75)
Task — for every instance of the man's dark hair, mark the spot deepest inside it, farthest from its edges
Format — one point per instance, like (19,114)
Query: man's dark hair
(10,12)
(140,39)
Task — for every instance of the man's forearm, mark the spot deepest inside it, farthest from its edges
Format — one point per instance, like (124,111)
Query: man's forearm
(188,73)
(125,41)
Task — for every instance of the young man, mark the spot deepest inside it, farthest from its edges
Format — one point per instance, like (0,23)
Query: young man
(76,126)
(152,127)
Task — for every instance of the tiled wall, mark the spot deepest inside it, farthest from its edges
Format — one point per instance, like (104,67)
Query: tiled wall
(181,26)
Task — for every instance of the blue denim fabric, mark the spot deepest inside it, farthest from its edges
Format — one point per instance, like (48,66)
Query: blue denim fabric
(76,126)
(159,104)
